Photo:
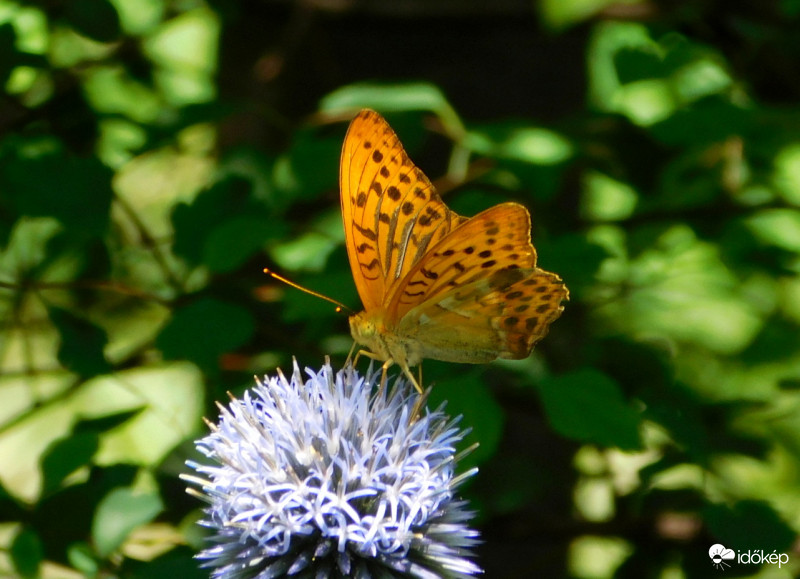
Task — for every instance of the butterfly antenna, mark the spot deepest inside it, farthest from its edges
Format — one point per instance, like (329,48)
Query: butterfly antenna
(339,305)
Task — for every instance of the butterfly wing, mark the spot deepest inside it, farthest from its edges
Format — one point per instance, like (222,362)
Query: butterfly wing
(391,211)
(477,294)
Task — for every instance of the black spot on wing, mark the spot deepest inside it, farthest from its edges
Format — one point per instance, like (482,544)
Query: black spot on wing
(366,232)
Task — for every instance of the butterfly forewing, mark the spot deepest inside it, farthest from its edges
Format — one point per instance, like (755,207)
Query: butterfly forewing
(391,212)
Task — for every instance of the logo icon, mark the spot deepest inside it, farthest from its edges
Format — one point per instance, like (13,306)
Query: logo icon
(719,554)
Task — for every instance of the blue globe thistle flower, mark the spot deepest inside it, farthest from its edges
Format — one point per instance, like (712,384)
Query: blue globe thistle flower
(321,478)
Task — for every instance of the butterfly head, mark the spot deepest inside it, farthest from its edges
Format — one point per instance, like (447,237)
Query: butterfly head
(369,331)
(366,330)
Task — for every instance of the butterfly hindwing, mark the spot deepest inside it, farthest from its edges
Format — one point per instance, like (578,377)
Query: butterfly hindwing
(478,294)
(493,240)
(503,317)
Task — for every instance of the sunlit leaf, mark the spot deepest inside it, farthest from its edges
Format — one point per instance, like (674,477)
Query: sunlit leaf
(778,227)
(185,49)
(516,141)
(121,511)
(562,13)
(81,557)
(606,199)
(309,252)
(393,98)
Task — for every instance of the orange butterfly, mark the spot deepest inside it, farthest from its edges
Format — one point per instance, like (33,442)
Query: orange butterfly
(435,284)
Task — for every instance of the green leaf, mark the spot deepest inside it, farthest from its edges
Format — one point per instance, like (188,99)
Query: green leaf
(68,513)
(176,563)
(105,423)
(709,120)
(96,19)
(71,253)
(638,63)
(310,166)
(778,340)
(628,360)
(309,252)
(8,51)
(10,509)
(749,525)
(65,456)
(75,191)
(559,14)
(82,344)
(587,405)
(205,329)
(81,557)
(676,409)
(120,512)
(519,141)
(27,553)
(396,97)
(11,56)
(575,258)
(304,308)
(466,394)
(232,243)
(195,223)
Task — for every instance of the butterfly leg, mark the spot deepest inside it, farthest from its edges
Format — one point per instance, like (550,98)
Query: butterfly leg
(421,400)
(423,394)
(385,367)
(407,372)
(387,364)
(350,355)
(366,354)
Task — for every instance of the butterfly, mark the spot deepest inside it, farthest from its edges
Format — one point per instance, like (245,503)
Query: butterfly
(435,284)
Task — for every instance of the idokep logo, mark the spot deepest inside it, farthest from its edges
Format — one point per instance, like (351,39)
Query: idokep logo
(719,555)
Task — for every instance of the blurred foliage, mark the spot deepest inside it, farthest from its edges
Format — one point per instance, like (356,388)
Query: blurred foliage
(156,155)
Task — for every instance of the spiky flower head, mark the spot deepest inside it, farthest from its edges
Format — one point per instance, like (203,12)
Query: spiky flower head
(322,478)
